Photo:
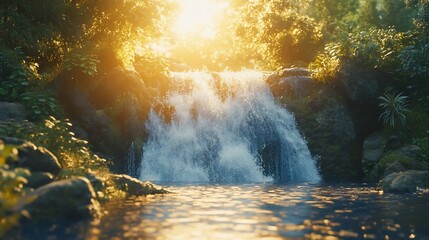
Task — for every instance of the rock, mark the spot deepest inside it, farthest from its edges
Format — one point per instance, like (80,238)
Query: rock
(338,121)
(372,150)
(112,110)
(38,179)
(396,166)
(12,141)
(405,158)
(410,151)
(12,111)
(118,82)
(135,187)
(360,84)
(70,198)
(407,181)
(295,86)
(96,181)
(38,159)
(79,132)
(393,143)
(288,72)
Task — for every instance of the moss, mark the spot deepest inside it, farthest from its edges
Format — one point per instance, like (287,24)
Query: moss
(379,169)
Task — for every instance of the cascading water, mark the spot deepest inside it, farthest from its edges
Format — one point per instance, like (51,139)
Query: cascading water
(225,127)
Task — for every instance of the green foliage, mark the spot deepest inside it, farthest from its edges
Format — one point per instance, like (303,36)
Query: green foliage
(83,62)
(326,65)
(55,135)
(14,75)
(379,169)
(278,34)
(417,126)
(331,12)
(394,107)
(11,188)
(415,60)
(423,143)
(41,104)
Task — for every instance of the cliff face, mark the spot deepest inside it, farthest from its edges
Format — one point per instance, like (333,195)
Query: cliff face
(334,117)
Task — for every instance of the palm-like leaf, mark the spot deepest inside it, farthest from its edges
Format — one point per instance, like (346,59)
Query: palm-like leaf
(394,107)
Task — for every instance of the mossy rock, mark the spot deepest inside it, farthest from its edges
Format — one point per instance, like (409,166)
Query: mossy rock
(407,181)
(135,187)
(396,161)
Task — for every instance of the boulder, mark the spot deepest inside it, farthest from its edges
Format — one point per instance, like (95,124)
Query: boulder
(361,85)
(12,111)
(70,198)
(407,181)
(337,119)
(295,86)
(287,72)
(405,158)
(38,159)
(410,151)
(38,179)
(135,187)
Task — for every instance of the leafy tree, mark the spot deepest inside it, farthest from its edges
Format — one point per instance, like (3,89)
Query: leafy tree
(274,34)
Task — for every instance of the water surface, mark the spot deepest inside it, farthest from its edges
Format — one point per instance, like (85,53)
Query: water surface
(256,211)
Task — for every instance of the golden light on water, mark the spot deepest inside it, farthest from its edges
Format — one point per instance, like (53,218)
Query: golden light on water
(199,17)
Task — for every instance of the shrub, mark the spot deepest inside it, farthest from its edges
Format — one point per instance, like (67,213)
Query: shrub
(394,107)
(14,75)
(41,104)
(326,65)
(11,188)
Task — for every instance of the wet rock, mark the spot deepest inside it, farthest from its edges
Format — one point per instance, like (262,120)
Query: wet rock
(38,179)
(135,187)
(38,159)
(12,111)
(70,198)
(408,181)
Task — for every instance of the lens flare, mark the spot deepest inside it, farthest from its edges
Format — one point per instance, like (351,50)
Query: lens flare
(199,17)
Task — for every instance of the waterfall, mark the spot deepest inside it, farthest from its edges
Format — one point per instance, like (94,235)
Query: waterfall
(224,127)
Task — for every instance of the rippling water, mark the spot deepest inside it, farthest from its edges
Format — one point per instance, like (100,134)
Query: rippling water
(256,211)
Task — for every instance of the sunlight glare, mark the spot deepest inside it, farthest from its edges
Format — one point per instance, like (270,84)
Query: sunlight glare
(199,16)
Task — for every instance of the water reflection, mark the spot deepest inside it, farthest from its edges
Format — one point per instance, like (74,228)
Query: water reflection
(265,212)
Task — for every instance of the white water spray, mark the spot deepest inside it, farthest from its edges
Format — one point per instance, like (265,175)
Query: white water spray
(225,127)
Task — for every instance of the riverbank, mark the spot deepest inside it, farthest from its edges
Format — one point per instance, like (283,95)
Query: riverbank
(37,187)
